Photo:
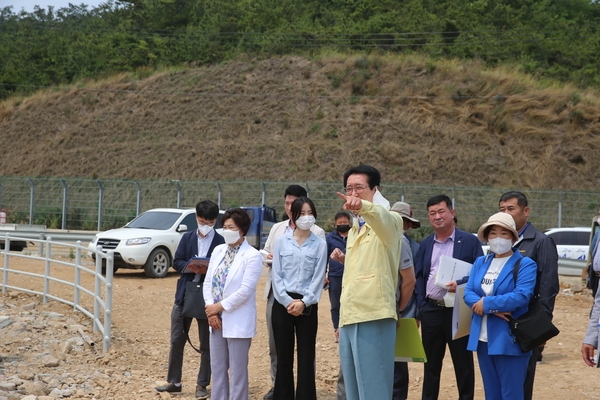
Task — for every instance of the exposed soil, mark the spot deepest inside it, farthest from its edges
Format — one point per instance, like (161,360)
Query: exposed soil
(141,341)
(418,120)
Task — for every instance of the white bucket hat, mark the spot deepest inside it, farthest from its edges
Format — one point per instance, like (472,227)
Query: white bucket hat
(504,220)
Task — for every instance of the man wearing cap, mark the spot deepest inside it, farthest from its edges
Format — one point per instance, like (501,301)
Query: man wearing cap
(541,248)
(404,294)
(435,317)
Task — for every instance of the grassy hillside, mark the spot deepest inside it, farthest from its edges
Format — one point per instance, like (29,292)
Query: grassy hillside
(418,120)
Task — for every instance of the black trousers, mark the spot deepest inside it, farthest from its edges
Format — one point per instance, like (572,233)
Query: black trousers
(179,326)
(288,329)
(436,328)
(400,381)
(528,387)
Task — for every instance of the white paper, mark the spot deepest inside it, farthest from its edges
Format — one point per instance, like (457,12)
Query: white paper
(450,269)
(449,299)
(264,254)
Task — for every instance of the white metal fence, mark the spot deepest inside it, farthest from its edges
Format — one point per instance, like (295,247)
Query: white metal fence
(101,293)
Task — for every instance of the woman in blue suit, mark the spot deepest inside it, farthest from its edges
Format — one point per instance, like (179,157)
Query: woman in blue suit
(492,294)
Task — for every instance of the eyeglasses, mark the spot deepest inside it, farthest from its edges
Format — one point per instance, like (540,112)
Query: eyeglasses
(357,189)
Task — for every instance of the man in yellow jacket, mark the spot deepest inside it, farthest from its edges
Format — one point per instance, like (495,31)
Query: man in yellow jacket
(368,302)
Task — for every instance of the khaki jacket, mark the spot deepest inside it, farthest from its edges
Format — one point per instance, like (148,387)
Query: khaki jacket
(371,266)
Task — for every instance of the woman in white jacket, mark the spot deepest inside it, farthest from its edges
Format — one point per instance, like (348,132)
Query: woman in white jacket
(230,296)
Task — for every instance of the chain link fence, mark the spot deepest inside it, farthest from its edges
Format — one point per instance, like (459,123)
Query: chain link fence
(92,204)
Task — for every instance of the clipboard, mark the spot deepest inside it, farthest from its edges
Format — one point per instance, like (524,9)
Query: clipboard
(409,346)
(461,314)
(201,262)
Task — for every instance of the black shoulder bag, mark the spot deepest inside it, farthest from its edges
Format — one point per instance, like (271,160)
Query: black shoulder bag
(193,307)
(533,328)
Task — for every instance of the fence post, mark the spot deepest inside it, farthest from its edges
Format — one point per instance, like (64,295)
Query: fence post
(402,190)
(108,301)
(77,275)
(453,200)
(560,208)
(6,255)
(64,204)
(307,190)
(100,198)
(178,186)
(219,195)
(0,195)
(138,203)
(264,194)
(31,200)
(41,248)
(97,286)
(47,269)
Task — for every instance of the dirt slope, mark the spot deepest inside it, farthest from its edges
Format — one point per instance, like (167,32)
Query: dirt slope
(292,118)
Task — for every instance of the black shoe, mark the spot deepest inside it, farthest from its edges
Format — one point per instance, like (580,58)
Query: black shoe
(170,388)
(201,392)
(269,395)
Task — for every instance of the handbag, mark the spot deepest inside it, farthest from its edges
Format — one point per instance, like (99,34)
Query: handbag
(193,301)
(533,328)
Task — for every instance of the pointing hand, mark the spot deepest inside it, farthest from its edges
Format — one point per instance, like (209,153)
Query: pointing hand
(352,203)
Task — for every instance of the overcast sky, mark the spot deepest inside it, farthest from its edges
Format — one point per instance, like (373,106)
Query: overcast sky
(29,4)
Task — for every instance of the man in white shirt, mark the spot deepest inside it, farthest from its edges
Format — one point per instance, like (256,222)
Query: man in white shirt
(291,193)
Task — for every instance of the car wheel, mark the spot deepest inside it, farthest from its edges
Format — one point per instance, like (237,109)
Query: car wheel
(158,264)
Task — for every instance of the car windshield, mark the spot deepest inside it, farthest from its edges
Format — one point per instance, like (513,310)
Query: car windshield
(161,220)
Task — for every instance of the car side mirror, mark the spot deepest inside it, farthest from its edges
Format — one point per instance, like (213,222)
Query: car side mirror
(182,228)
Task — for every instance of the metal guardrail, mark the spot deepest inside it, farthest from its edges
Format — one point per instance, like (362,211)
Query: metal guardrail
(572,267)
(99,324)
(65,236)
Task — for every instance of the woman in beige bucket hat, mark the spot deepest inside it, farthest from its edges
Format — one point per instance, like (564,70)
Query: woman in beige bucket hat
(492,294)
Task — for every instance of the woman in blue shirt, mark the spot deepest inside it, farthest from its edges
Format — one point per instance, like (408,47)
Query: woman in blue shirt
(299,260)
(493,294)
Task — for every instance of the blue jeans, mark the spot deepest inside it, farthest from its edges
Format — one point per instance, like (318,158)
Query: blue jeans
(367,358)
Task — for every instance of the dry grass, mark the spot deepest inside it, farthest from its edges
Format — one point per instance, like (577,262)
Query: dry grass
(418,120)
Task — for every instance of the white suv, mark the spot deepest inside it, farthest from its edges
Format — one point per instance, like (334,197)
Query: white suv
(571,242)
(149,241)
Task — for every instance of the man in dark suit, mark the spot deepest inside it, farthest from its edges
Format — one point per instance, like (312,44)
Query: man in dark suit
(198,242)
(435,317)
(541,248)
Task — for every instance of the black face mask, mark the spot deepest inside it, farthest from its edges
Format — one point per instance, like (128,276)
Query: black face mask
(342,228)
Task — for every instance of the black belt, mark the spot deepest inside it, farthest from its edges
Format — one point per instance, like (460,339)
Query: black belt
(439,303)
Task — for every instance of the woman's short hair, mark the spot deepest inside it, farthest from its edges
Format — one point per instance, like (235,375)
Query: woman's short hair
(297,207)
(240,218)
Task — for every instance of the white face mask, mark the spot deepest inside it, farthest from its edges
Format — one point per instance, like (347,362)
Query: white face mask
(380,200)
(305,222)
(231,236)
(500,245)
(204,229)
